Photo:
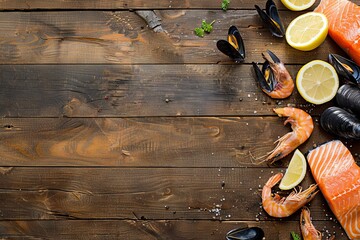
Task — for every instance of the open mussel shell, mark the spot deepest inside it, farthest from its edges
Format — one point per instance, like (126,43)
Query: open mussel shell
(266,77)
(271,19)
(234,46)
(341,123)
(251,233)
(346,69)
(348,97)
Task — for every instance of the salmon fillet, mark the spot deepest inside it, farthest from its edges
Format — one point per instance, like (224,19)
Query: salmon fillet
(338,177)
(344,25)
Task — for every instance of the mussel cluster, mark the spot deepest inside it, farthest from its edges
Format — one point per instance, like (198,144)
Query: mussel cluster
(344,120)
(273,78)
(234,47)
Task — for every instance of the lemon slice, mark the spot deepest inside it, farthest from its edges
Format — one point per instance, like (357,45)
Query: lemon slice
(317,82)
(295,172)
(298,5)
(307,31)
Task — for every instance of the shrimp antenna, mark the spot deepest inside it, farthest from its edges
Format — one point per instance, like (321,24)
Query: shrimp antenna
(255,161)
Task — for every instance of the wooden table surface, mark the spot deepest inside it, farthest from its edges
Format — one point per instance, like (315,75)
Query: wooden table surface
(110,130)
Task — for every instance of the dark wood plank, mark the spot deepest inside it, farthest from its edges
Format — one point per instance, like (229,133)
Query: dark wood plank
(131,4)
(141,193)
(123,38)
(138,90)
(146,142)
(148,230)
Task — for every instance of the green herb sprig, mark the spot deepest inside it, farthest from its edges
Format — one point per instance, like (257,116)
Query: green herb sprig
(225,4)
(295,236)
(205,28)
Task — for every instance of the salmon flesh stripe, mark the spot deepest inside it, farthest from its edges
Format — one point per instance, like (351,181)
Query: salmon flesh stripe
(344,25)
(338,177)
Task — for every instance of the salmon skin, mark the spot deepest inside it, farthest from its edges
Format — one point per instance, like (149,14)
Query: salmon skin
(344,25)
(338,177)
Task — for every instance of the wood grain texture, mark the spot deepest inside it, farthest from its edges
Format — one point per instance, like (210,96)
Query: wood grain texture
(150,230)
(137,193)
(132,4)
(145,142)
(139,90)
(123,38)
(109,130)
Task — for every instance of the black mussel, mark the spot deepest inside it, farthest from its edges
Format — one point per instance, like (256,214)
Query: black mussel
(274,79)
(346,69)
(271,19)
(348,97)
(341,123)
(234,46)
(251,233)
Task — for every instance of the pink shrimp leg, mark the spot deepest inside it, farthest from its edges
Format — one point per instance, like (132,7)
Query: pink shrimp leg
(277,206)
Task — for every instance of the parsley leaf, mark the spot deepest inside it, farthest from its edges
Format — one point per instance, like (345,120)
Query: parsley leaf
(207,26)
(225,4)
(199,32)
(295,236)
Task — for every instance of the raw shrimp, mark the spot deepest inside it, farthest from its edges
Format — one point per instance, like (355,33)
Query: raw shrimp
(302,126)
(277,206)
(308,230)
(274,79)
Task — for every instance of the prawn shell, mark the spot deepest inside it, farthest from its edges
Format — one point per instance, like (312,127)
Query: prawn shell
(271,19)
(348,98)
(338,62)
(252,233)
(341,123)
(266,78)
(235,51)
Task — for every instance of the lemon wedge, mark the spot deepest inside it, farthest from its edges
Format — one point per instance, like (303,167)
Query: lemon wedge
(317,82)
(295,172)
(307,31)
(298,5)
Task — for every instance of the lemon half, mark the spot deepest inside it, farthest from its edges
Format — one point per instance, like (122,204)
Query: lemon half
(295,172)
(298,5)
(317,82)
(307,31)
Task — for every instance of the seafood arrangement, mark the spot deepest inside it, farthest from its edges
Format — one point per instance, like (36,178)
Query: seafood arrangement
(343,120)
(277,206)
(329,163)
